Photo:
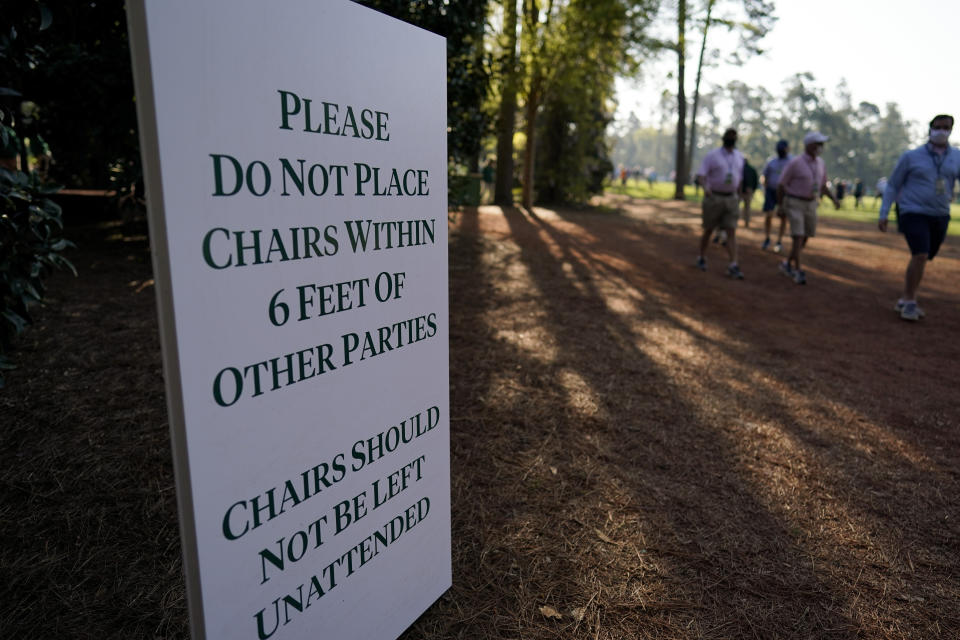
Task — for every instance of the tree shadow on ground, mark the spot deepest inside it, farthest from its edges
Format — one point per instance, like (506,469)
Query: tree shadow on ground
(640,492)
(849,463)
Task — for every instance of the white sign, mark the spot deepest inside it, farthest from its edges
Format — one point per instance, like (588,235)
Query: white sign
(295,159)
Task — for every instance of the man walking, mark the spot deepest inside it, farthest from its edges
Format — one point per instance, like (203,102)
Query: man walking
(720,175)
(922,184)
(802,183)
(487,184)
(747,189)
(771,178)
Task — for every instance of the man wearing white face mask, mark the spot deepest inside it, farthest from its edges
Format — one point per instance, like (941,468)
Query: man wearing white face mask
(922,184)
(802,183)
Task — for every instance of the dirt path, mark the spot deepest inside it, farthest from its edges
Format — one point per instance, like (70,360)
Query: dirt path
(642,449)
(687,456)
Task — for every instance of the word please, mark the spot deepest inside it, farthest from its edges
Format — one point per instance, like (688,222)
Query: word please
(331,119)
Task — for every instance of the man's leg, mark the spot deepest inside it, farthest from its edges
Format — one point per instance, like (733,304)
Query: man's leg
(705,240)
(799,276)
(732,244)
(913,276)
(924,235)
(801,233)
(709,221)
(704,243)
(729,223)
(796,247)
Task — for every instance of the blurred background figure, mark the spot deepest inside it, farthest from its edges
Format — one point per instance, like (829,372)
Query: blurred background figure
(488,176)
(747,188)
(771,178)
(858,194)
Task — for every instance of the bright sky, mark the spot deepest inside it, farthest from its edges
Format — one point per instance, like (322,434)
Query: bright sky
(906,52)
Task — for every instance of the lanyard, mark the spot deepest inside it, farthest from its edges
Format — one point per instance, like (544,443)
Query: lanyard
(812,165)
(731,161)
(937,159)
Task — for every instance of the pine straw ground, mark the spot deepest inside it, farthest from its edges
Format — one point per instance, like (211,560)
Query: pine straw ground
(640,450)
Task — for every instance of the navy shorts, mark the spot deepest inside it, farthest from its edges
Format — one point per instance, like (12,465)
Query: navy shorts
(769,199)
(924,233)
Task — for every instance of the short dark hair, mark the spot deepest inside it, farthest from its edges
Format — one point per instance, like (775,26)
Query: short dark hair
(941,117)
(730,130)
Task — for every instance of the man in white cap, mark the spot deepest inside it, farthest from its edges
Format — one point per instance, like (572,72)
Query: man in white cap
(802,183)
(922,183)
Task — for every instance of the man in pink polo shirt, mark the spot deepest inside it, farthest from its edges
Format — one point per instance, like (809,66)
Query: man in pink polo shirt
(802,183)
(720,175)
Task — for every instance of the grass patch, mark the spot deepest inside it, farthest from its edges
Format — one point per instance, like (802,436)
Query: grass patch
(866,214)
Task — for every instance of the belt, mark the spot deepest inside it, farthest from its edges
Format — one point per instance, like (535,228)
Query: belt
(799,198)
(722,193)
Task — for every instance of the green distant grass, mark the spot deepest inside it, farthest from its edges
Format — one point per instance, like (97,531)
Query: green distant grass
(866,215)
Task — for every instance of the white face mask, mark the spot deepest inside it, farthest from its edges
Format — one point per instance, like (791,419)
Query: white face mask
(939,136)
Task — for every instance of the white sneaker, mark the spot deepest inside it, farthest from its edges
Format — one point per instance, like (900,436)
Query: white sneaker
(909,312)
(914,314)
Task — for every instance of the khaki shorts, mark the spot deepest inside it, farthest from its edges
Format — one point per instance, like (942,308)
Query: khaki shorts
(802,215)
(721,211)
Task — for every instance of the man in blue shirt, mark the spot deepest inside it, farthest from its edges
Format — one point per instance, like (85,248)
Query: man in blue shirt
(922,185)
(771,178)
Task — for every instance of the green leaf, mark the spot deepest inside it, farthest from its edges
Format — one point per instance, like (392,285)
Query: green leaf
(46,17)
(19,323)
(32,292)
(69,265)
(51,207)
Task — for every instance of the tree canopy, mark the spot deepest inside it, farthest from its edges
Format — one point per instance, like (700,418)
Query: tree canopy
(463,24)
(530,81)
(70,64)
(865,139)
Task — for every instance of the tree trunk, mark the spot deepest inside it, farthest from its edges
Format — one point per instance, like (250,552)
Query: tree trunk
(696,88)
(532,39)
(503,191)
(681,169)
(529,156)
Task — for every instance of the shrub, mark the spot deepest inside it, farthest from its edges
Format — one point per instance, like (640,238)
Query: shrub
(31,243)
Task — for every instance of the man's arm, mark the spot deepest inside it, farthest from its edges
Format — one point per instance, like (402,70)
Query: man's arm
(702,174)
(824,191)
(894,185)
(785,176)
(702,181)
(767,171)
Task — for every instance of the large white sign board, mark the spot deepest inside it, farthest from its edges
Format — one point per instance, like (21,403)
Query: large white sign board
(295,159)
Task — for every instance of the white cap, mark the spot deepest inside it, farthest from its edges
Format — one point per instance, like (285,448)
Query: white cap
(814,137)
